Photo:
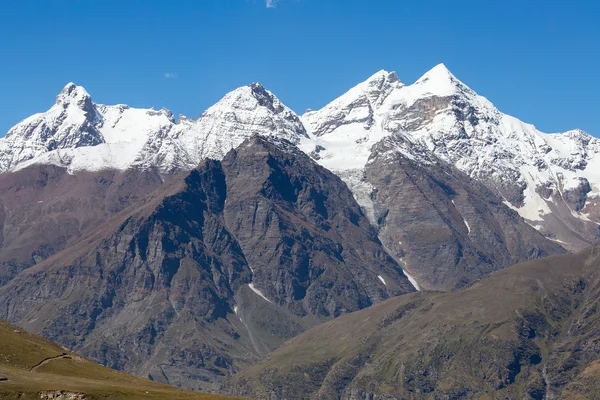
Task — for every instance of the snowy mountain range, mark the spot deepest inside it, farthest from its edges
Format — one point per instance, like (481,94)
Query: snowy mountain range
(551,180)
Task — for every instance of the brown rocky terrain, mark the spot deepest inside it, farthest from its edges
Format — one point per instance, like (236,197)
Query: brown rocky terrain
(446,228)
(206,274)
(530,331)
(44,209)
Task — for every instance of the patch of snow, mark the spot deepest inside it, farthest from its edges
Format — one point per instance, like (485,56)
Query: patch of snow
(258,292)
(361,190)
(412,280)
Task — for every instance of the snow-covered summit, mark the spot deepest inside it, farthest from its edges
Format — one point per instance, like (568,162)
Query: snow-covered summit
(550,179)
(438,81)
(538,174)
(244,112)
(70,123)
(72,93)
(82,135)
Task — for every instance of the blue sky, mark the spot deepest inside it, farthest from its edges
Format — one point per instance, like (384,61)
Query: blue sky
(536,60)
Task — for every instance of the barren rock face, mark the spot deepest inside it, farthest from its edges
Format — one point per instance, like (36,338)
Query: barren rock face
(515,325)
(446,228)
(205,275)
(44,210)
(576,197)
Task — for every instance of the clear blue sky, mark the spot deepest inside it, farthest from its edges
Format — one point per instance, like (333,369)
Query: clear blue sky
(536,60)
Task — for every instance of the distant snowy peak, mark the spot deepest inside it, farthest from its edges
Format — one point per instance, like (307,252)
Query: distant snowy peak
(82,135)
(357,106)
(76,95)
(542,176)
(439,81)
(69,123)
(346,129)
(244,112)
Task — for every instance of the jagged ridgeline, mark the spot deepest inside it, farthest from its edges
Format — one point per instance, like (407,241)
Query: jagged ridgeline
(186,249)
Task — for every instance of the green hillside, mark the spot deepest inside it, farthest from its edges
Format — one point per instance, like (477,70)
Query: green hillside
(32,367)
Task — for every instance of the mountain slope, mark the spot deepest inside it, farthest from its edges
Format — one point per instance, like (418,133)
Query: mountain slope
(444,227)
(32,367)
(531,330)
(551,180)
(44,209)
(207,274)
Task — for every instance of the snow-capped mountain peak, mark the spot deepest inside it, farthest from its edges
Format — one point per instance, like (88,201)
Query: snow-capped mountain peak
(82,135)
(70,123)
(438,78)
(549,179)
(73,94)
(542,176)
(244,112)
(438,81)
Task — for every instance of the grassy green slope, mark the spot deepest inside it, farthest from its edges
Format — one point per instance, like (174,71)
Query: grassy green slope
(24,374)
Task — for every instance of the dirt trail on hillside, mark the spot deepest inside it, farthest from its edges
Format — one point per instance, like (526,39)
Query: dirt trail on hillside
(50,359)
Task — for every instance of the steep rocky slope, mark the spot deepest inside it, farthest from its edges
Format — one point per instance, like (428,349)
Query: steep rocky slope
(552,180)
(44,209)
(445,228)
(207,274)
(527,332)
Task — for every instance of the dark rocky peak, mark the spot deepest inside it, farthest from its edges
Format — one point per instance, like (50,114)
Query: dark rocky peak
(163,111)
(275,165)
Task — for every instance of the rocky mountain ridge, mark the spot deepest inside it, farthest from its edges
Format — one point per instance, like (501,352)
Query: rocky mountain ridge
(186,250)
(84,136)
(527,332)
(551,180)
(209,273)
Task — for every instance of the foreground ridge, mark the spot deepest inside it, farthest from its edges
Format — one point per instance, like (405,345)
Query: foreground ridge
(529,329)
(34,367)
